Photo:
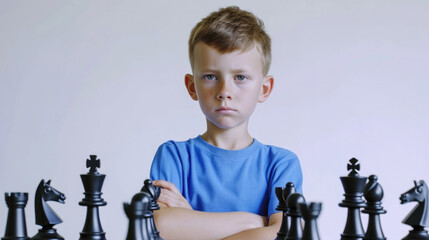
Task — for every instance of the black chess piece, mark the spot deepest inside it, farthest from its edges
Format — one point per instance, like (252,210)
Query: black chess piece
(16,227)
(353,185)
(281,234)
(282,195)
(92,182)
(153,192)
(418,218)
(373,194)
(45,216)
(295,230)
(139,215)
(310,213)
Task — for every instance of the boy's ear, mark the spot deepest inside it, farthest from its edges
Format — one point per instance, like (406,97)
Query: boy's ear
(190,86)
(267,87)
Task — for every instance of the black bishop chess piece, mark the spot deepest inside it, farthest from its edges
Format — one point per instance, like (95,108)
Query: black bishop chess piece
(418,218)
(353,185)
(45,216)
(295,230)
(282,195)
(92,183)
(140,218)
(310,213)
(153,192)
(373,194)
(16,227)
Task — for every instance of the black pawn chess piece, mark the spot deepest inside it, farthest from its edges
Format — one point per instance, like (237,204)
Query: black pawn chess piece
(373,194)
(418,218)
(139,215)
(153,192)
(295,230)
(92,182)
(45,216)
(353,185)
(282,195)
(16,227)
(310,213)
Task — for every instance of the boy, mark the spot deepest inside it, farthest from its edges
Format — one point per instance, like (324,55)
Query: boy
(220,185)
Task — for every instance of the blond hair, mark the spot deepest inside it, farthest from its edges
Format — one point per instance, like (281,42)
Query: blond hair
(230,29)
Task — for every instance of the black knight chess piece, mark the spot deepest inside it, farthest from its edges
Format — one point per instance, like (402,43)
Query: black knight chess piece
(92,182)
(45,216)
(140,216)
(310,213)
(418,218)
(353,185)
(295,230)
(16,227)
(153,192)
(373,194)
(282,195)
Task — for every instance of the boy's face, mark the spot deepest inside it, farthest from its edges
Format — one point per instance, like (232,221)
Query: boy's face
(227,86)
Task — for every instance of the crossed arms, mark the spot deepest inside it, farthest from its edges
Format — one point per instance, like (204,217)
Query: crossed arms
(176,220)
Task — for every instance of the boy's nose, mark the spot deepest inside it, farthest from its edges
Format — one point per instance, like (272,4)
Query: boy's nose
(224,91)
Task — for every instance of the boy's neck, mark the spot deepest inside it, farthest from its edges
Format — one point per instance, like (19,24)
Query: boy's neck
(230,139)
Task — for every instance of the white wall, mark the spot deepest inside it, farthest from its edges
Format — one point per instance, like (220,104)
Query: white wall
(106,78)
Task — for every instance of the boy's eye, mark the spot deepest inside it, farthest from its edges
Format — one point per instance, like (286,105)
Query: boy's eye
(240,77)
(209,77)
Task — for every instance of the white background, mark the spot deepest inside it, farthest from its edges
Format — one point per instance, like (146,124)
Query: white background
(106,78)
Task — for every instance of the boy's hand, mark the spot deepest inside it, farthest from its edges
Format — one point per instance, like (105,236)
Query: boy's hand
(170,195)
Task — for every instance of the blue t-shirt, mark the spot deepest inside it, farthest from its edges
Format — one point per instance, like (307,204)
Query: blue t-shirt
(213,179)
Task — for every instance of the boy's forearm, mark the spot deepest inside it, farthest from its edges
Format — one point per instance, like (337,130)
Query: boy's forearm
(269,232)
(180,223)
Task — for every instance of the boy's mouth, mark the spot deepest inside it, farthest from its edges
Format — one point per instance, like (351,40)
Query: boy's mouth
(225,109)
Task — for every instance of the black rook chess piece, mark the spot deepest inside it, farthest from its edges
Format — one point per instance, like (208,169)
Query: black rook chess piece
(92,182)
(310,213)
(45,216)
(353,185)
(16,228)
(282,195)
(295,230)
(373,194)
(418,218)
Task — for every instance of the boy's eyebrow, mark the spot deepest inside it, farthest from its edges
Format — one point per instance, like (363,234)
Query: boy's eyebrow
(208,70)
(239,70)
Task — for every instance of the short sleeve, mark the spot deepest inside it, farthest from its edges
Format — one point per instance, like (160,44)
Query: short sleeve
(286,169)
(166,165)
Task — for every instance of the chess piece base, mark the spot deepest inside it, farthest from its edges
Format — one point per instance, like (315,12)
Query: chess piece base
(92,236)
(44,234)
(15,238)
(354,237)
(418,233)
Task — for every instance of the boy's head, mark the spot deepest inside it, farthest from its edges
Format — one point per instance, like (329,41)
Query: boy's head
(230,57)
(231,29)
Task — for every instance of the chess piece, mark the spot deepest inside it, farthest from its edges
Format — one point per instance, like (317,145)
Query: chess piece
(282,195)
(295,230)
(45,216)
(138,213)
(16,228)
(310,213)
(92,183)
(353,185)
(418,218)
(153,192)
(373,194)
